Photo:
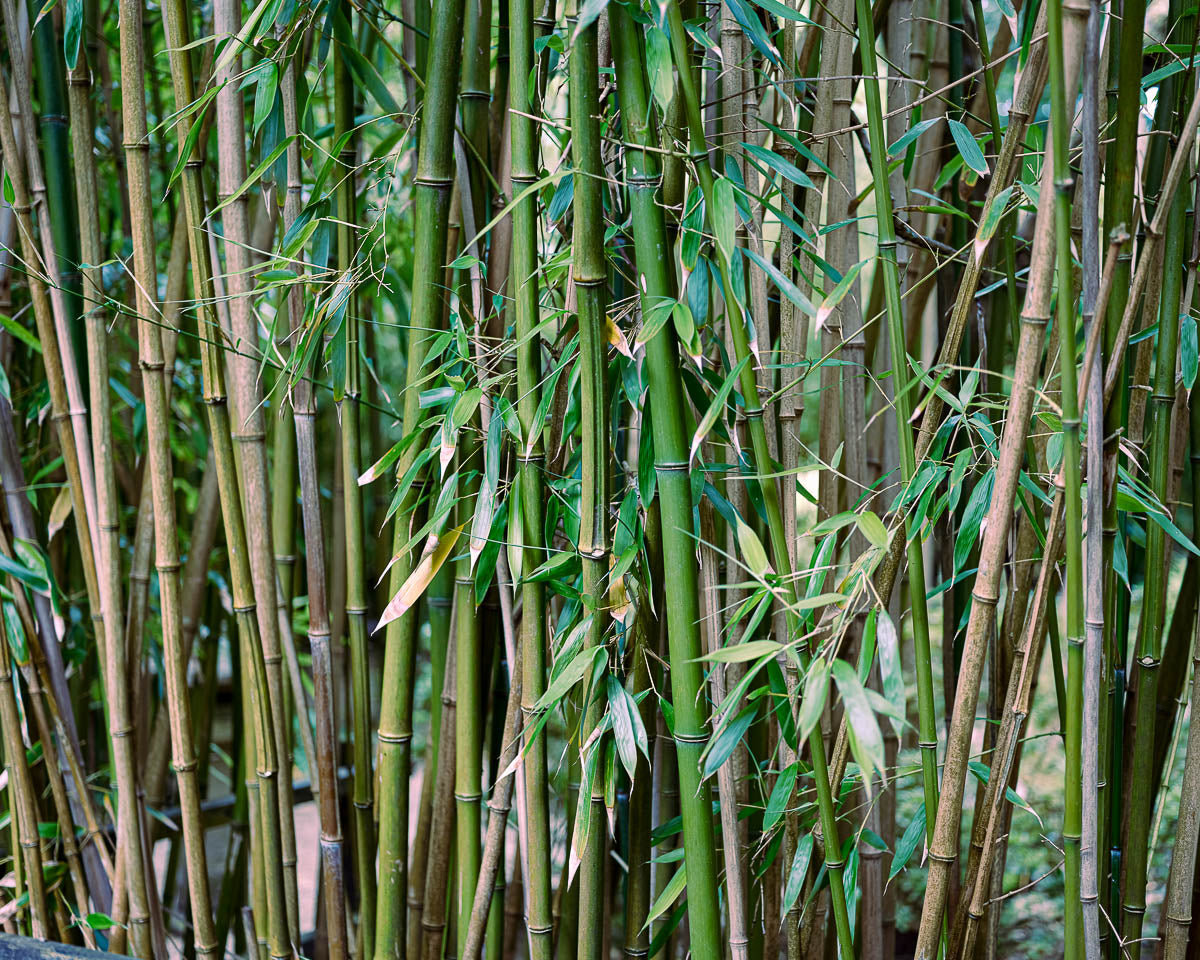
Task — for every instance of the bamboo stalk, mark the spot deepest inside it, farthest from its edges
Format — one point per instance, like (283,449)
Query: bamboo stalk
(432,187)
(23,807)
(242,361)
(209,330)
(115,673)
(944,835)
(590,276)
(333,890)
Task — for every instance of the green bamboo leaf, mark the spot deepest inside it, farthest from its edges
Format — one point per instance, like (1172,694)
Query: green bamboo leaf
(580,666)
(786,287)
(992,217)
(654,319)
(27,337)
(743,652)
(724,215)
(752,550)
(914,833)
(798,871)
(188,147)
(816,689)
(781,795)
(722,746)
(866,740)
(659,67)
(590,12)
(628,729)
(673,889)
(887,644)
(27,575)
(968,148)
(72,31)
(910,136)
(1189,350)
(838,293)
(873,529)
(716,408)
(972,520)
(781,166)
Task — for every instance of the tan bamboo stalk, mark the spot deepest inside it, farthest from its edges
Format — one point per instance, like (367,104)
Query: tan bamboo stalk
(943,849)
(143,537)
(1029,92)
(23,807)
(242,360)
(333,888)
(53,769)
(990,813)
(116,676)
(161,475)
(176,27)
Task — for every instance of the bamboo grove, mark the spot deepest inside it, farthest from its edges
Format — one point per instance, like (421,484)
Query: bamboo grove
(576,478)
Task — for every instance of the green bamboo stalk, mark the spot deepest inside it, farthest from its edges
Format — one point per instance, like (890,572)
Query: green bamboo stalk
(491,871)
(530,465)
(667,415)
(1177,907)
(46,259)
(1154,596)
(468,717)
(1063,85)
(1120,213)
(433,919)
(762,457)
(590,275)
(1093,655)
(433,183)
(48,71)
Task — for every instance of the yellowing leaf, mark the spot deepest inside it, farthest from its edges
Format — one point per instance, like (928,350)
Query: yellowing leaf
(420,578)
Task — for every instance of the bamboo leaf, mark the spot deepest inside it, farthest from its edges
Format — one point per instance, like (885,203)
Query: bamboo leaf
(743,652)
(914,833)
(911,135)
(673,889)
(866,741)
(798,871)
(752,550)
(780,165)
(659,68)
(838,293)
(972,521)
(786,287)
(716,408)
(873,529)
(72,31)
(419,579)
(1189,350)
(816,688)
(781,795)
(721,748)
(992,218)
(968,147)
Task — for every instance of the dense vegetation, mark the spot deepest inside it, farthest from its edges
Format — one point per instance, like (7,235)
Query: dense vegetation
(710,478)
